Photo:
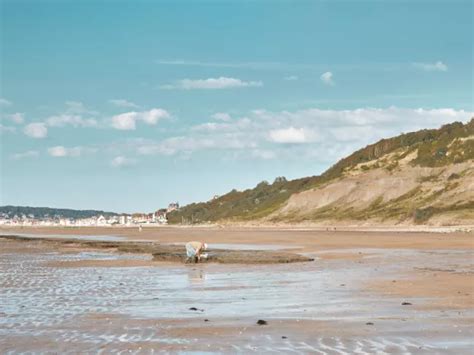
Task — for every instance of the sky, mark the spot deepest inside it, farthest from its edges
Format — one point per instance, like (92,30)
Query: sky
(127,106)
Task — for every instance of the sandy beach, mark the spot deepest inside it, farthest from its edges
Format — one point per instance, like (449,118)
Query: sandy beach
(365,292)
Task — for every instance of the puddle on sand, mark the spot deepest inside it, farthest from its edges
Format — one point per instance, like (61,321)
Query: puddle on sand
(46,302)
(237,246)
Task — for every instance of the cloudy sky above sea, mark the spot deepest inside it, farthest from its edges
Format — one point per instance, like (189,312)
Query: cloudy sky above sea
(129,105)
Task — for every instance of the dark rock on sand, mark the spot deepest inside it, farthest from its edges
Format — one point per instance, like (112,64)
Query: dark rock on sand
(406,304)
(262,322)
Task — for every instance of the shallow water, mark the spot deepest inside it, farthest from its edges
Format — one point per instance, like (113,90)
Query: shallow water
(239,246)
(102,238)
(141,305)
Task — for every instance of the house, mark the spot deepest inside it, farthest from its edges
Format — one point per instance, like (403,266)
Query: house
(101,221)
(160,216)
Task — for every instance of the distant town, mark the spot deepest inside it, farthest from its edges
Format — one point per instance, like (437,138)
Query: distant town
(159,217)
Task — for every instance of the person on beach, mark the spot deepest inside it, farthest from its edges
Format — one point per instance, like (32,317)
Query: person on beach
(194,251)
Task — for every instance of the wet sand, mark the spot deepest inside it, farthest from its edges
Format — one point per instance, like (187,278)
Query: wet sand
(56,297)
(307,239)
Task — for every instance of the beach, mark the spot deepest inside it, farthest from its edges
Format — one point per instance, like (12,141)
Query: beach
(364,292)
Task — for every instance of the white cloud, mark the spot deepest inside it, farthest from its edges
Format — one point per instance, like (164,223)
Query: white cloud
(128,120)
(154,115)
(438,66)
(321,136)
(327,79)
(121,161)
(72,120)
(212,84)
(288,135)
(4,102)
(291,78)
(17,118)
(77,107)
(125,121)
(25,155)
(36,130)
(4,128)
(61,152)
(123,103)
(222,116)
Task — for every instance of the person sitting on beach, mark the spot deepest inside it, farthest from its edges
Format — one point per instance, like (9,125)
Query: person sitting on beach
(194,250)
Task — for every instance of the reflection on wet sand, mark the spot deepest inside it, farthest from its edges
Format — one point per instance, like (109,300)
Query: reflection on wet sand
(196,276)
(320,307)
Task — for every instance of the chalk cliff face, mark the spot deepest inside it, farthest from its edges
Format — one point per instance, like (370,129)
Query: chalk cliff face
(424,177)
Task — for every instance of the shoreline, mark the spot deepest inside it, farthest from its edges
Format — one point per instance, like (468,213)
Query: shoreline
(466,228)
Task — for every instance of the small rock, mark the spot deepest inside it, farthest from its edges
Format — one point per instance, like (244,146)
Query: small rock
(342,285)
(284,337)
(206,320)
(406,304)
(262,322)
(193,309)
(369,323)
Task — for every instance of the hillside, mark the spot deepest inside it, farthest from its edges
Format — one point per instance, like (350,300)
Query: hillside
(46,212)
(412,178)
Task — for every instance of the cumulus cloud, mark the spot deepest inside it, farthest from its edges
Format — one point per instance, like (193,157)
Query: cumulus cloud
(17,118)
(327,79)
(153,116)
(61,152)
(222,116)
(437,66)
(36,130)
(212,84)
(125,121)
(70,120)
(77,107)
(288,135)
(121,161)
(4,102)
(128,120)
(25,155)
(123,103)
(320,136)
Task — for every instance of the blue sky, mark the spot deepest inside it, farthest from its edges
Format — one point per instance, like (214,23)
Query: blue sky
(129,105)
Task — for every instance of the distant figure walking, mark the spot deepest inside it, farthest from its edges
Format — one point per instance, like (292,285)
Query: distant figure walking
(194,251)
(139,227)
